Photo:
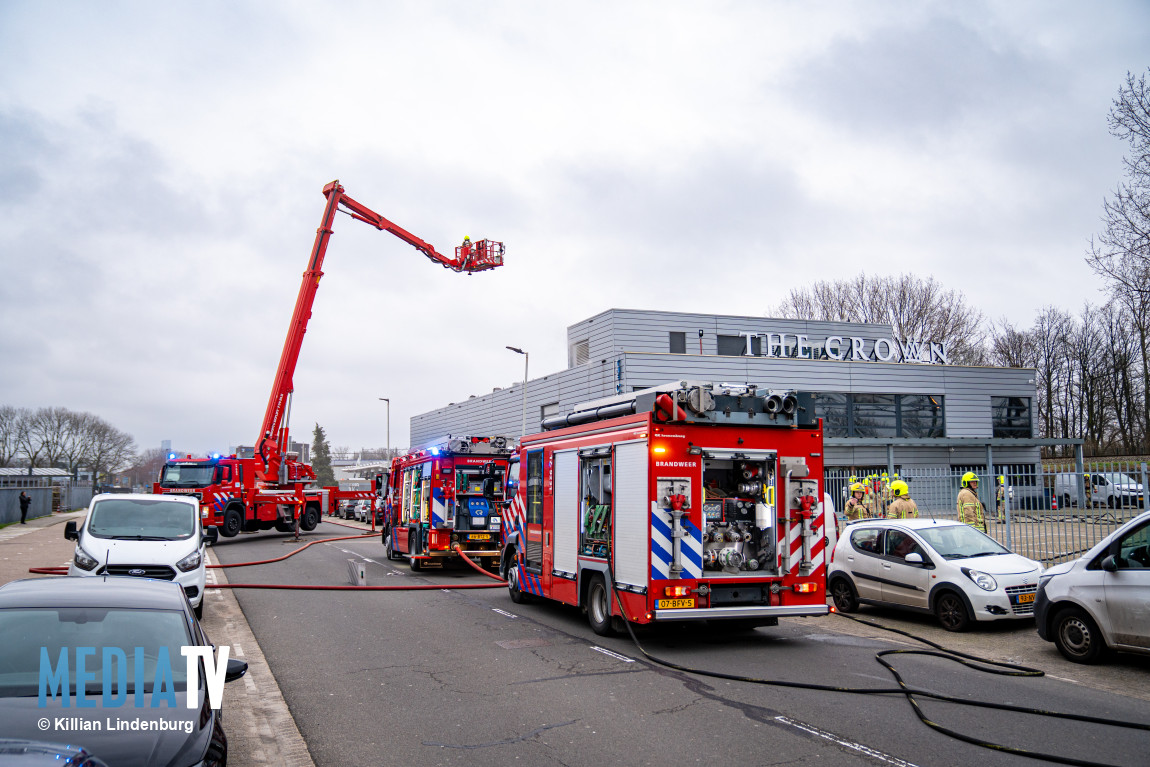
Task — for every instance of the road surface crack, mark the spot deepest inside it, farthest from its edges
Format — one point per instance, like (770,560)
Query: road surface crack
(504,742)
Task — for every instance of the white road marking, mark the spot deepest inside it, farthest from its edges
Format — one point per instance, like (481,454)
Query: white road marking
(845,743)
(614,655)
(501,612)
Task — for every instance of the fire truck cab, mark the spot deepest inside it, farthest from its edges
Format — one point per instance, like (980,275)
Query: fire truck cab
(448,493)
(685,502)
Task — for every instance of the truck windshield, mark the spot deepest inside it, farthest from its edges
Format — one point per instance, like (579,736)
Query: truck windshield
(141,519)
(187,475)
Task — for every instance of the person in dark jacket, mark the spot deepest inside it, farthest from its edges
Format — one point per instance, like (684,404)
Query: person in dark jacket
(25,502)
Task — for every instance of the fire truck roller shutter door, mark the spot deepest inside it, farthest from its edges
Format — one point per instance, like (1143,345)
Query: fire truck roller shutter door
(565,555)
(631,513)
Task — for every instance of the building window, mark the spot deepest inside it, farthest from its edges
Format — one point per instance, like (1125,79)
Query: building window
(534,510)
(678,342)
(580,353)
(736,346)
(881,415)
(874,415)
(1010,417)
(547,411)
(921,415)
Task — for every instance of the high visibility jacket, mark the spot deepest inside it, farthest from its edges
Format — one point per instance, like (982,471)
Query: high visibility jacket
(902,507)
(1001,501)
(970,509)
(868,501)
(855,509)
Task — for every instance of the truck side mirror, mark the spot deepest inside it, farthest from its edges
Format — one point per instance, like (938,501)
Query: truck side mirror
(211,536)
(489,488)
(70,531)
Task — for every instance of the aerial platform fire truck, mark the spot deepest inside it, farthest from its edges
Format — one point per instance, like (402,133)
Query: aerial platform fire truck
(445,494)
(273,488)
(685,502)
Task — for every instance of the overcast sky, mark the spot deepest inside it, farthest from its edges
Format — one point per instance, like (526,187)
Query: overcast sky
(162,166)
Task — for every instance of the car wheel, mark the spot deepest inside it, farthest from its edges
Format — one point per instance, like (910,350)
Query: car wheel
(844,596)
(1110,502)
(1077,636)
(599,608)
(309,519)
(199,610)
(1066,501)
(518,596)
(951,611)
(233,522)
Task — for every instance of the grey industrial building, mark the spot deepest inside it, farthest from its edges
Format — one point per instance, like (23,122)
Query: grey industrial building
(885,402)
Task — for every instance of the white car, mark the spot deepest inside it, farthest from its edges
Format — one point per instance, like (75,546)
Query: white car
(1100,601)
(946,568)
(147,536)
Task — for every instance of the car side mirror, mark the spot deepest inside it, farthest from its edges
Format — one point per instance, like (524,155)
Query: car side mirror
(1109,564)
(913,558)
(71,532)
(211,536)
(236,669)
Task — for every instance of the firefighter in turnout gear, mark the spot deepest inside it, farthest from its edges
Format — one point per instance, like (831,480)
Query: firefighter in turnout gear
(902,507)
(969,507)
(869,495)
(1001,497)
(884,494)
(855,510)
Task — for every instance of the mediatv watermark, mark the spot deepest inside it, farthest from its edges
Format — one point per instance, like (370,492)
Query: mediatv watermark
(78,671)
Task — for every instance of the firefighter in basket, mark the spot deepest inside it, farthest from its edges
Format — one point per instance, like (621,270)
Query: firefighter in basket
(969,507)
(903,506)
(855,510)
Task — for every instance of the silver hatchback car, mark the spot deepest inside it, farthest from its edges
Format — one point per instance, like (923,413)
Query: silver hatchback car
(942,567)
(1101,601)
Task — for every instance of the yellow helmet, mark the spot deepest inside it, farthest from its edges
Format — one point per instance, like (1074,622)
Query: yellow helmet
(856,487)
(898,487)
(969,477)
(853,479)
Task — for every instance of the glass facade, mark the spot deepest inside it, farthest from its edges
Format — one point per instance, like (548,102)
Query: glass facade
(881,415)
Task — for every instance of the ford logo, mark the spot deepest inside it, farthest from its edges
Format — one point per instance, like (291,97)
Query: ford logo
(137,571)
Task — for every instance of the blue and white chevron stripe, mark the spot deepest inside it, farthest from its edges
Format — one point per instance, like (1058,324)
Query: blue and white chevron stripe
(691,547)
(437,507)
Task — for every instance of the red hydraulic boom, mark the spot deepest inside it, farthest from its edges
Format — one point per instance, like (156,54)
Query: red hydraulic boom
(469,257)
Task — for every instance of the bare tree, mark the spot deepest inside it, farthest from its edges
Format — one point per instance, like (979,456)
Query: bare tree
(110,449)
(9,429)
(145,467)
(915,308)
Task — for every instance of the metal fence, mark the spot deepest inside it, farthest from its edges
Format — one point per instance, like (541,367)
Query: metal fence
(45,500)
(1049,512)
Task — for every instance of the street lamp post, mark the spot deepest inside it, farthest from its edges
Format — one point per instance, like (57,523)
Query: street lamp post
(385,399)
(526,360)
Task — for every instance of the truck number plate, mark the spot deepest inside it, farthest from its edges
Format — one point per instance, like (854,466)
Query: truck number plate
(1023,598)
(480,537)
(665,604)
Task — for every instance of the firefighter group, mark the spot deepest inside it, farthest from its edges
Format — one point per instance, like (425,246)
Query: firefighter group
(879,496)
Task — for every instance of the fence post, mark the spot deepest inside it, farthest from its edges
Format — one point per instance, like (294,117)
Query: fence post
(1006,488)
(890,460)
(1079,473)
(1145,501)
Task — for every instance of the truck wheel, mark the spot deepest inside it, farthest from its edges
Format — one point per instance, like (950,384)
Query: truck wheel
(387,548)
(843,593)
(416,564)
(951,611)
(599,608)
(518,596)
(309,519)
(1077,636)
(233,523)
(286,526)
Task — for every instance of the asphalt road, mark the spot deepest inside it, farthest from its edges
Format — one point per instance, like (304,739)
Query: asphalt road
(469,678)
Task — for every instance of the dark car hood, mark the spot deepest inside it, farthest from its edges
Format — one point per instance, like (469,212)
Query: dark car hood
(21,718)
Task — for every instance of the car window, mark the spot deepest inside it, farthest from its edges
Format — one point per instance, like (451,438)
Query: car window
(868,540)
(1134,550)
(27,632)
(142,519)
(960,542)
(900,543)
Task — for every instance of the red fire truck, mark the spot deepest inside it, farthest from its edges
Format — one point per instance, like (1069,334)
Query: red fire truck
(449,492)
(273,488)
(689,502)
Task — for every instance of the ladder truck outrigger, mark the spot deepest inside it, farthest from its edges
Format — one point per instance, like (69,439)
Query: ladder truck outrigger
(273,488)
(447,494)
(684,502)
